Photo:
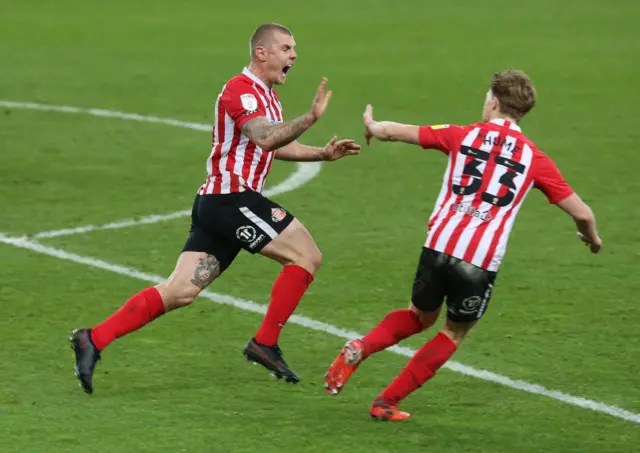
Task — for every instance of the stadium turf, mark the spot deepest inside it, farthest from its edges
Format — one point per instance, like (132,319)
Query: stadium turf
(560,317)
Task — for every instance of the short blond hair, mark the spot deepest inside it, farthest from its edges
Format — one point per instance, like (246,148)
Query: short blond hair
(263,34)
(515,91)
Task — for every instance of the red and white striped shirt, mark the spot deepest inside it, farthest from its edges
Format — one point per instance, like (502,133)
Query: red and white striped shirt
(492,166)
(236,163)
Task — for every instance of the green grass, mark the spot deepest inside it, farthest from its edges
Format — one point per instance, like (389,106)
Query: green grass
(559,317)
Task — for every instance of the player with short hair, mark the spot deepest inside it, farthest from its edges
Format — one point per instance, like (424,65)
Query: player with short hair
(230,213)
(492,166)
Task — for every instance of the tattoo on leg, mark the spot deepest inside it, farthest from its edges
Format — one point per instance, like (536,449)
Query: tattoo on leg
(206,271)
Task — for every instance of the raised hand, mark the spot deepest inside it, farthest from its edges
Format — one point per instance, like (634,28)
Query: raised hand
(368,123)
(321,100)
(337,149)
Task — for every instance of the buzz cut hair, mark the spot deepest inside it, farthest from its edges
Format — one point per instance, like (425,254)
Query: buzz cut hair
(263,34)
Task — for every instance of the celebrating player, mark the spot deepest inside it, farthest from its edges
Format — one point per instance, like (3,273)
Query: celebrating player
(229,213)
(492,166)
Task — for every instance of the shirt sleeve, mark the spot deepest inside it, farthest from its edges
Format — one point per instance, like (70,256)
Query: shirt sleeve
(548,179)
(242,103)
(442,137)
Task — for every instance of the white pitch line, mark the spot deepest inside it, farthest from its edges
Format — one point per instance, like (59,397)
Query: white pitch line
(294,181)
(251,306)
(106,114)
(306,170)
(113,225)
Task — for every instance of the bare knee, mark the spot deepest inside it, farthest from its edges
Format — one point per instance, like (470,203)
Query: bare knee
(427,318)
(457,331)
(193,273)
(310,260)
(295,246)
(185,296)
(176,295)
(313,261)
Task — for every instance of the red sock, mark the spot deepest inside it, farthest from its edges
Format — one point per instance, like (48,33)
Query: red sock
(395,327)
(286,293)
(421,368)
(141,309)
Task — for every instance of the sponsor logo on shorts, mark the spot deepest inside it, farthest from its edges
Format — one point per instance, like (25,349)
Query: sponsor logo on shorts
(246,233)
(467,209)
(257,242)
(485,301)
(471,305)
(249,235)
(278,214)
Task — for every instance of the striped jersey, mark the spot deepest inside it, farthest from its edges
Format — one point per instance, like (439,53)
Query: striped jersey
(492,167)
(236,163)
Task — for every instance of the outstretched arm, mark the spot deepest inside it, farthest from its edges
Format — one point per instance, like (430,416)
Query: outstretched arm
(335,149)
(270,137)
(388,130)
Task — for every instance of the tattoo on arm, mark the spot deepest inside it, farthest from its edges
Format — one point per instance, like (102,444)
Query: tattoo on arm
(206,271)
(273,136)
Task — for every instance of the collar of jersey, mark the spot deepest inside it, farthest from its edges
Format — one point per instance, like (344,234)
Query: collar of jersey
(255,78)
(502,122)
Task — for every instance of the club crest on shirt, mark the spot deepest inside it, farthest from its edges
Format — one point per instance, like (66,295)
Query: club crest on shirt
(249,102)
(278,214)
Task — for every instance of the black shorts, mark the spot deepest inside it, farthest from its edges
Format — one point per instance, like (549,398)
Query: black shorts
(223,224)
(467,288)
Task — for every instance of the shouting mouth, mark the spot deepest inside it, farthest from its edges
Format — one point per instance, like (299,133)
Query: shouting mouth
(286,69)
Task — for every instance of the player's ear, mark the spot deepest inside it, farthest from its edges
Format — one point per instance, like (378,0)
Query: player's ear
(495,103)
(261,53)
